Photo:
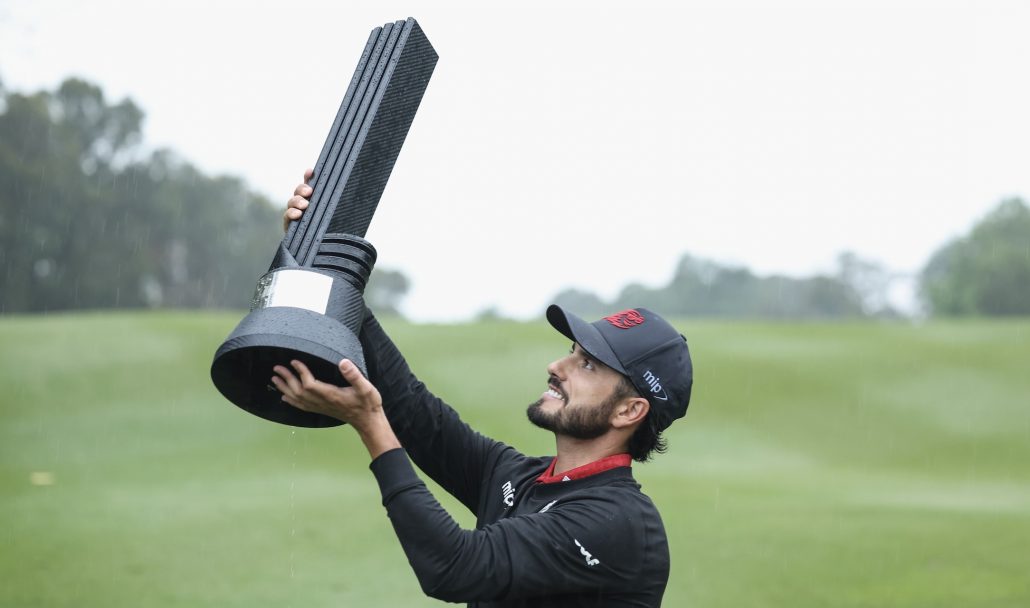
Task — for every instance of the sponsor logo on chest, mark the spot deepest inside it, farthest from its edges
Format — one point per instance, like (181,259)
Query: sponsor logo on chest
(508,493)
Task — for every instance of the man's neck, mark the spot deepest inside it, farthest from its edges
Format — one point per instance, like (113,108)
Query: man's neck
(574,453)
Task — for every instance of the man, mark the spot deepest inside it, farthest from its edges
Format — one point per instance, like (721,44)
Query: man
(572,530)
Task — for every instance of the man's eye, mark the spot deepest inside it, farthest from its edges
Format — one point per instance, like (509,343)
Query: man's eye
(587,363)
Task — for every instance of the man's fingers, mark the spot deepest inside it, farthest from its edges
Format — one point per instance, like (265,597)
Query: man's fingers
(294,209)
(287,378)
(352,374)
(297,403)
(298,201)
(298,391)
(307,380)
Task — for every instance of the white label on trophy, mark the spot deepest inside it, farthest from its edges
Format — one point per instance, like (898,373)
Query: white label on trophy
(297,288)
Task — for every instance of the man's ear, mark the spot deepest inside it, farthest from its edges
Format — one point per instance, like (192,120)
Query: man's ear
(631,411)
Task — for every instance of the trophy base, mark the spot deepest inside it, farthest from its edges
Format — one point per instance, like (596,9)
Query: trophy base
(242,368)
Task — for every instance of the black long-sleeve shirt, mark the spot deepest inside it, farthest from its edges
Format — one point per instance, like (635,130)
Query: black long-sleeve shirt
(595,541)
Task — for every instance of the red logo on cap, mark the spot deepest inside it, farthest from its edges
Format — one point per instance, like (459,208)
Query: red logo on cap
(625,319)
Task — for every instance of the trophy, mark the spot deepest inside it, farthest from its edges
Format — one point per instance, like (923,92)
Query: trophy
(309,305)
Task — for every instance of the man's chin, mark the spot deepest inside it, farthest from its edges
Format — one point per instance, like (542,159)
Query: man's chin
(562,421)
(536,414)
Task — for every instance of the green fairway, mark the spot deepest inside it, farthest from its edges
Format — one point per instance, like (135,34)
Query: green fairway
(857,464)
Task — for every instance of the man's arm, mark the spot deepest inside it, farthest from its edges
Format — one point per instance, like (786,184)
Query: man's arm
(434,435)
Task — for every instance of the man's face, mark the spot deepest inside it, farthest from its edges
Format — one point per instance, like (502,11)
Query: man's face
(580,398)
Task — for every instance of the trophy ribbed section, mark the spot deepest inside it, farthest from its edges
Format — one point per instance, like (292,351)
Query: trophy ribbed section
(352,257)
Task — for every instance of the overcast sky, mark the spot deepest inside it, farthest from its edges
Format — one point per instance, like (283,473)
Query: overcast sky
(589,144)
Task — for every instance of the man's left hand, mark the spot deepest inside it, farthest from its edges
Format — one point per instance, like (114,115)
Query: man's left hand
(359,404)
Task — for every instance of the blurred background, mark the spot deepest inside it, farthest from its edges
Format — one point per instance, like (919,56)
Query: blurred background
(828,198)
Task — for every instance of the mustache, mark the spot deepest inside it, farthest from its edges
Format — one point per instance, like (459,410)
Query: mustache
(554,382)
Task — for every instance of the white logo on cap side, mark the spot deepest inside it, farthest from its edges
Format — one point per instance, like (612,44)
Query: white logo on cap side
(656,386)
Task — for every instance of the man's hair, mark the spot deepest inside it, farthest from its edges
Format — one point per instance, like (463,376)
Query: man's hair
(647,439)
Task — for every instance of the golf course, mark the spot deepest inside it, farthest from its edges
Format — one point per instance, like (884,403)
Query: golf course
(820,464)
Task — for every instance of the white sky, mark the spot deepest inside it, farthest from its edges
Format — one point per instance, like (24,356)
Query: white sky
(589,144)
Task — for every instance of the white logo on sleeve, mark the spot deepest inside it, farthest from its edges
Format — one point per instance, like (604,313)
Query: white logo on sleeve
(586,554)
(509,493)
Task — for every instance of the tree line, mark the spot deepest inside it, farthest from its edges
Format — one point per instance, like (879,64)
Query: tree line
(88,219)
(701,287)
(983,273)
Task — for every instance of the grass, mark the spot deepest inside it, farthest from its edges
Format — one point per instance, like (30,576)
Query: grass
(820,465)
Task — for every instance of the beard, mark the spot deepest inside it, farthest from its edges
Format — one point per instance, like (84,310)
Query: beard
(579,422)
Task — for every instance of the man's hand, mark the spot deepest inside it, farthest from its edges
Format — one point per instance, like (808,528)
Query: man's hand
(359,404)
(298,202)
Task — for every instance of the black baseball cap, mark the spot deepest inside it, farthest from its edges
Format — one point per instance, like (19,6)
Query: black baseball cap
(642,346)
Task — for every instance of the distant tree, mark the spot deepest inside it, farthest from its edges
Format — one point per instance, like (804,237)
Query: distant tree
(986,272)
(386,290)
(829,297)
(490,313)
(581,302)
(870,280)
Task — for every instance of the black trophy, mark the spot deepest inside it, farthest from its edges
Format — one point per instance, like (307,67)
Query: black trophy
(309,305)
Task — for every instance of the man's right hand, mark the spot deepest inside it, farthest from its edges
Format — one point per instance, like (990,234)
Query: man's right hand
(298,202)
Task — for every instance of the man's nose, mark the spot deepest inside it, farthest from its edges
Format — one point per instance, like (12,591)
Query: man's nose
(555,368)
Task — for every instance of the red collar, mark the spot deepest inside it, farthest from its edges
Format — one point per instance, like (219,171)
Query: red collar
(593,468)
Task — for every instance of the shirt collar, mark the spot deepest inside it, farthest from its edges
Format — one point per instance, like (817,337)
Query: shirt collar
(593,468)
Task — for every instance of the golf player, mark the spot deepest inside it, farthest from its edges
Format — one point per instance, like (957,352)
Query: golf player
(572,529)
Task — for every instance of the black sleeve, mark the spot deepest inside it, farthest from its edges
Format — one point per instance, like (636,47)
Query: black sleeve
(440,443)
(581,546)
